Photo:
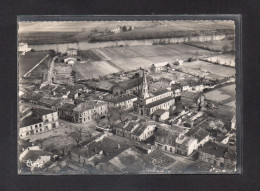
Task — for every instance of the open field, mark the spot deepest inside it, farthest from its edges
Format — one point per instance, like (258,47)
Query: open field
(224,59)
(88,70)
(225,95)
(29,60)
(209,67)
(173,29)
(216,45)
(130,58)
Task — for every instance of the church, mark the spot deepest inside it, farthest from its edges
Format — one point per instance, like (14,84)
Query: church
(147,103)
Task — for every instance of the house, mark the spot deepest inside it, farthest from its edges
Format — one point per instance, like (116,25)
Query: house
(86,111)
(222,139)
(220,155)
(72,52)
(127,87)
(192,99)
(160,115)
(158,67)
(66,111)
(41,120)
(23,48)
(124,101)
(136,130)
(159,86)
(177,89)
(186,145)
(97,153)
(165,137)
(186,86)
(70,60)
(196,86)
(200,134)
(33,97)
(25,152)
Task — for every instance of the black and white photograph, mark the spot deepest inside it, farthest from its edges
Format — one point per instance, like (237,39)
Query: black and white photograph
(127,97)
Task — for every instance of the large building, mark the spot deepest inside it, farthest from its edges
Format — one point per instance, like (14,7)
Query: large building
(89,110)
(39,121)
(123,101)
(23,48)
(147,103)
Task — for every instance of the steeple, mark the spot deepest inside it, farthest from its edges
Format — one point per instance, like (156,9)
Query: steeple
(144,91)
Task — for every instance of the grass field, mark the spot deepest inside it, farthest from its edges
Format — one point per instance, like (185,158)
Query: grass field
(29,60)
(90,70)
(225,95)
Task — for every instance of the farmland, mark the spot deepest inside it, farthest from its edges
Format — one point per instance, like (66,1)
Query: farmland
(225,95)
(172,29)
(88,70)
(205,67)
(29,60)
(115,59)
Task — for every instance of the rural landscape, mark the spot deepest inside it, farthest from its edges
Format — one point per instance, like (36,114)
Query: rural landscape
(127,97)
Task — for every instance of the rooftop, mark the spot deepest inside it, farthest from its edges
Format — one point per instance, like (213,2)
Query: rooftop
(190,95)
(30,120)
(44,111)
(68,107)
(171,132)
(159,112)
(160,92)
(122,98)
(219,150)
(89,105)
(139,129)
(185,140)
(197,133)
(161,101)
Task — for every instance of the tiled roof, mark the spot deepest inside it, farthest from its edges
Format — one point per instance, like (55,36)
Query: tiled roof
(44,111)
(158,102)
(119,99)
(185,140)
(170,131)
(197,133)
(218,150)
(139,129)
(89,105)
(30,120)
(160,92)
(68,107)
(159,112)
(190,95)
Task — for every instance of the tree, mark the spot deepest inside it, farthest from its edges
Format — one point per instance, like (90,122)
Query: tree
(110,114)
(77,135)
(225,49)
(96,117)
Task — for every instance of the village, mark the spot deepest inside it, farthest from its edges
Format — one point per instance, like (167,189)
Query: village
(164,117)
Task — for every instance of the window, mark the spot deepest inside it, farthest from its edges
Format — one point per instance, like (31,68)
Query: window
(165,147)
(171,149)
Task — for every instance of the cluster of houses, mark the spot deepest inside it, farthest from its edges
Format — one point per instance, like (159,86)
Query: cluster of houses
(150,101)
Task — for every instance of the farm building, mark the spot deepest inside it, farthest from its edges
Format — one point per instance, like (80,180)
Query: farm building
(72,51)
(23,48)
(158,67)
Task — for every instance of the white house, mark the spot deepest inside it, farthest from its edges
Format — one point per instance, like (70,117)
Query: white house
(23,48)
(41,120)
(72,51)
(186,145)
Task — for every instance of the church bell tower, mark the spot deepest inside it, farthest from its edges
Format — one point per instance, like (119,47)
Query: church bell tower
(144,91)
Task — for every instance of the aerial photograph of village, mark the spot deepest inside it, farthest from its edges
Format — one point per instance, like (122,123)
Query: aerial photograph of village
(126,97)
